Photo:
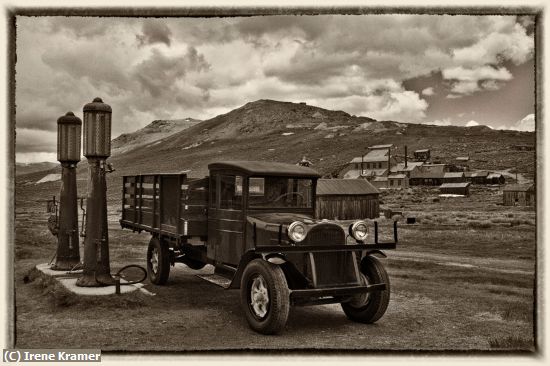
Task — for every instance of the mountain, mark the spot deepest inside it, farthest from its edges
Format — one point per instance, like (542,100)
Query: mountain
(282,131)
(21,168)
(150,134)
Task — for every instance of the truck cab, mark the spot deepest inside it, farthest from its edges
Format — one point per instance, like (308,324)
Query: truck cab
(256,226)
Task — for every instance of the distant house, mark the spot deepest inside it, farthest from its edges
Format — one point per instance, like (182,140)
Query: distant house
(398,181)
(477,177)
(519,195)
(367,173)
(422,155)
(463,159)
(401,168)
(428,175)
(495,178)
(346,199)
(380,182)
(377,158)
(455,188)
(454,177)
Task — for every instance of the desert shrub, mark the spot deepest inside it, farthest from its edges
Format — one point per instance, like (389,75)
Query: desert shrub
(435,199)
(513,342)
(510,214)
(485,224)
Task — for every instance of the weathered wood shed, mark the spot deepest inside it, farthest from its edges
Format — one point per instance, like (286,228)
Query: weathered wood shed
(453,177)
(477,177)
(495,178)
(455,188)
(346,199)
(519,195)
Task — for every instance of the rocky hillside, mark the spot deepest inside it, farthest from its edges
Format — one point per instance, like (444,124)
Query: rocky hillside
(282,131)
(21,169)
(150,134)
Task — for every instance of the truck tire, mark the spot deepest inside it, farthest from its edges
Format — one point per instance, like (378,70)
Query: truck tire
(368,308)
(265,297)
(158,261)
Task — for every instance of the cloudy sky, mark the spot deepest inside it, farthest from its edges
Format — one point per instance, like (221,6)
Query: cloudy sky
(459,70)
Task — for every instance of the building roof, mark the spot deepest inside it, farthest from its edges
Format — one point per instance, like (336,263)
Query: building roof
(380,179)
(348,187)
(411,165)
(519,187)
(356,173)
(455,185)
(478,173)
(453,175)
(386,146)
(429,171)
(265,168)
(397,176)
(422,150)
(494,175)
(462,158)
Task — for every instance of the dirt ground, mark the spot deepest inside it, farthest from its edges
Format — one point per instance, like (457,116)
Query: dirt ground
(462,278)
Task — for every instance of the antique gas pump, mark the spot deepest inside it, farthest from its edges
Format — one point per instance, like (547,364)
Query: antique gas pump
(68,154)
(97,148)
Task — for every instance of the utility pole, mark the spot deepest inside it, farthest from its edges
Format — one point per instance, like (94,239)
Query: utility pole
(97,148)
(68,154)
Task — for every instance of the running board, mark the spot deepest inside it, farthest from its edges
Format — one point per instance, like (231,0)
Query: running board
(216,279)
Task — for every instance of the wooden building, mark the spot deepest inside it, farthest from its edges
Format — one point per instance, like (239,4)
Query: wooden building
(346,199)
(477,177)
(453,177)
(379,182)
(428,175)
(398,181)
(519,195)
(455,188)
(495,178)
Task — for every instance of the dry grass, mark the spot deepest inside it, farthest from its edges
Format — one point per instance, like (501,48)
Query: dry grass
(512,343)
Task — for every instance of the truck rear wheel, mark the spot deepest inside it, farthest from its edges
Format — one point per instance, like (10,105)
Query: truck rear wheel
(158,261)
(369,307)
(265,297)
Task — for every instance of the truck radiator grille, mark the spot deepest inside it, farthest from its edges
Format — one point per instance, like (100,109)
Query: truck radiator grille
(331,269)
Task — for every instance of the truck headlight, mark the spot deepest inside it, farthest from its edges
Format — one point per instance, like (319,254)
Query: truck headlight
(297,231)
(359,230)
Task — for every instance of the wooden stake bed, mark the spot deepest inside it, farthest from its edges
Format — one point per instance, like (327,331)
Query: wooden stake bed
(168,204)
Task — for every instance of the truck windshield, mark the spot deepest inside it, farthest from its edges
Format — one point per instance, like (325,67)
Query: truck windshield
(279,192)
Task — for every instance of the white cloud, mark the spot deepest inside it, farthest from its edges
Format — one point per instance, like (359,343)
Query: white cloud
(472,123)
(28,158)
(428,91)
(150,69)
(527,123)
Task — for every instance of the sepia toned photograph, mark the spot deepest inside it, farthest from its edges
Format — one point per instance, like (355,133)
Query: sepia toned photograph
(303,181)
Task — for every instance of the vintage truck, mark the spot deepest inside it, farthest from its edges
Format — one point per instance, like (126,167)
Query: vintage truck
(254,222)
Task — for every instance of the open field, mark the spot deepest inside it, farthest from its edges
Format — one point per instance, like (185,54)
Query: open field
(462,279)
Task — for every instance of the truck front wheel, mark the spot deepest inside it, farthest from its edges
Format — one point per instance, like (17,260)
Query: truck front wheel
(158,261)
(265,297)
(369,307)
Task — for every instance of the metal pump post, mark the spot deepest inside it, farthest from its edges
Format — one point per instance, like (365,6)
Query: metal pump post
(97,148)
(68,154)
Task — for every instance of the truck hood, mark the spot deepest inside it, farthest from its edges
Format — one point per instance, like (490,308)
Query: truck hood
(279,218)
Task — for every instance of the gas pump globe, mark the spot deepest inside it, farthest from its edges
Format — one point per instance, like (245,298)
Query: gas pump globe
(68,154)
(97,129)
(68,138)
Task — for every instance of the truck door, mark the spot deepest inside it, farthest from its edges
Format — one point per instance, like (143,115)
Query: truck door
(225,218)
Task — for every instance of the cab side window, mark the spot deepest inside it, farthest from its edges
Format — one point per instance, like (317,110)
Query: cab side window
(231,197)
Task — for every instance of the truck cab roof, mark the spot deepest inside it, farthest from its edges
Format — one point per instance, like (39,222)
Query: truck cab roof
(265,168)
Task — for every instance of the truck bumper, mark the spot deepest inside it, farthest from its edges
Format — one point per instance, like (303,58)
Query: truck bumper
(330,295)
